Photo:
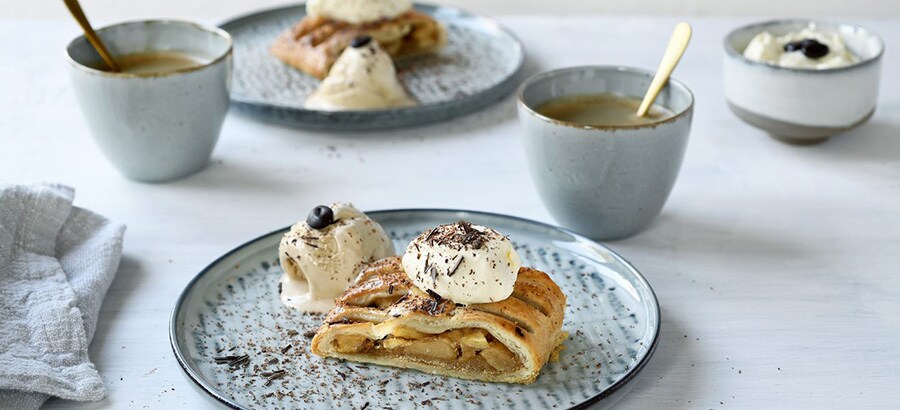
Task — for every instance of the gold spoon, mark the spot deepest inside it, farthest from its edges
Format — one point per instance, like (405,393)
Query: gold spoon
(677,44)
(91,36)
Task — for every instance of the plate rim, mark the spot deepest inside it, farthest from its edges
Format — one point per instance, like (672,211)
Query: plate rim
(632,372)
(476,101)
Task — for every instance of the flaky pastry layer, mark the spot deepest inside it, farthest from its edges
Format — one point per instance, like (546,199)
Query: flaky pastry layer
(384,319)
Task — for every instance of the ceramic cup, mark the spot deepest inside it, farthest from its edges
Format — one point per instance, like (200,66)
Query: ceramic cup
(155,127)
(605,182)
(802,106)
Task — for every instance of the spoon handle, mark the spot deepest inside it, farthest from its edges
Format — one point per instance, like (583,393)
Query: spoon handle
(677,44)
(91,36)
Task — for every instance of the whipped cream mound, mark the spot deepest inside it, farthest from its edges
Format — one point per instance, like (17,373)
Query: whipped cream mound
(362,78)
(357,11)
(464,263)
(319,264)
(770,49)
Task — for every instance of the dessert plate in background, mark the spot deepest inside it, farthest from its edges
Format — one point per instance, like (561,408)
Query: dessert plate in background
(476,68)
(231,309)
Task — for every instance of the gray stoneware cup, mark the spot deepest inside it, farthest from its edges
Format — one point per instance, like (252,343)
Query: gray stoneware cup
(605,182)
(155,127)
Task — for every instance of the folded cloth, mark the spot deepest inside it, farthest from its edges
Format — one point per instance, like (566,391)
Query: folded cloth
(56,264)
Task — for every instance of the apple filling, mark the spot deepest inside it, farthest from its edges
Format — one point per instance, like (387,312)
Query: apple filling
(468,348)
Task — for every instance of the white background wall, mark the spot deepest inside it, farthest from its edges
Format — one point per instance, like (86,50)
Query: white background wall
(105,11)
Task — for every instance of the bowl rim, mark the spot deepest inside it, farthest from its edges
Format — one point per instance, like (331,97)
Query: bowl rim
(759,26)
(520,97)
(159,22)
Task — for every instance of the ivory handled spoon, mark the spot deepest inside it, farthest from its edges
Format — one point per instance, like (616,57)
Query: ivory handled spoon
(91,35)
(677,44)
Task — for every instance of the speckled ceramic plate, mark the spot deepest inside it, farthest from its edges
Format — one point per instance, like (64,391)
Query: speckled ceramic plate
(479,65)
(232,309)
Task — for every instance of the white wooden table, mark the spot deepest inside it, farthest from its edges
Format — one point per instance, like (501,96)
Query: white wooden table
(777,267)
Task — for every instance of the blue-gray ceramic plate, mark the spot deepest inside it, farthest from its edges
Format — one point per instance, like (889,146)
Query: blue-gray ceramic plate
(232,309)
(479,66)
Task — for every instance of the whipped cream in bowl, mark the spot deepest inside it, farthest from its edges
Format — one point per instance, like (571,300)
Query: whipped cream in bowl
(810,48)
(463,263)
(362,78)
(323,255)
(802,81)
(357,11)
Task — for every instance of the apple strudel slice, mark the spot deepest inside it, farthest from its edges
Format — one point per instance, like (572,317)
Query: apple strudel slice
(385,319)
(314,44)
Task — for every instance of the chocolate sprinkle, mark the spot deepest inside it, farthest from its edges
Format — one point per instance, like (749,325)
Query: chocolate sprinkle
(434,295)
(391,289)
(270,376)
(233,361)
(457,235)
(434,306)
(452,270)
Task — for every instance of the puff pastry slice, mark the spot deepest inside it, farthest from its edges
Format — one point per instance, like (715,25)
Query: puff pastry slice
(384,319)
(313,44)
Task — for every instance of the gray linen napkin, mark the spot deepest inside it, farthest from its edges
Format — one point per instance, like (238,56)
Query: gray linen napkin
(56,264)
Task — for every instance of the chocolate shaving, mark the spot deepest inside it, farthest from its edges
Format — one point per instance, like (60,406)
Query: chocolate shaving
(270,376)
(233,361)
(340,373)
(434,295)
(452,270)
(225,359)
(473,237)
(309,334)
(434,306)
(365,406)
(391,289)
(436,302)
(310,244)
(430,235)
(458,235)
(286,348)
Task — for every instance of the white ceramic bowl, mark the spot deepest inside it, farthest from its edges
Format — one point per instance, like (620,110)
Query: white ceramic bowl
(803,105)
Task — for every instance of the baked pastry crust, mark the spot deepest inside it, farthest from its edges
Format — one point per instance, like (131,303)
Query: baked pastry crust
(384,319)
(313,44)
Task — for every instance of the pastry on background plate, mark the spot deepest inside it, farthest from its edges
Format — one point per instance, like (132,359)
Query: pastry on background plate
(315,43)
(457,304)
